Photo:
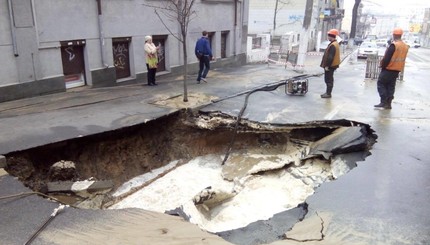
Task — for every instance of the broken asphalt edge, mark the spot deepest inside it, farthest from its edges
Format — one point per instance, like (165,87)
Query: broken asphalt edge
(2,161)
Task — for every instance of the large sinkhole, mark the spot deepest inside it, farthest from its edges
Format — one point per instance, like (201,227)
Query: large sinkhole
(173,165)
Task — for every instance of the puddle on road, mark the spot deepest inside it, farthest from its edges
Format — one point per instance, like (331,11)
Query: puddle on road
(173,165)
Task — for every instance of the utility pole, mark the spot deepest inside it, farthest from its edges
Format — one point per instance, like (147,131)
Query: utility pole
(353,23)
(304,37)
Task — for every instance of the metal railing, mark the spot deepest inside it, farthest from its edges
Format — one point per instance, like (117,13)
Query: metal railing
(373,69)
(372,66)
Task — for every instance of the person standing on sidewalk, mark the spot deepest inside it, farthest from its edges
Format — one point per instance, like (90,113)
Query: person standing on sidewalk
(204,55)
(330,61)
(151,60)
(391,65)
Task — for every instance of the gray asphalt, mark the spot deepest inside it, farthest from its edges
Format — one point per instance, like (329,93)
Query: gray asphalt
(382,201)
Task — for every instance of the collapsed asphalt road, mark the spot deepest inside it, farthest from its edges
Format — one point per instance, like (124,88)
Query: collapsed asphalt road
(273,168)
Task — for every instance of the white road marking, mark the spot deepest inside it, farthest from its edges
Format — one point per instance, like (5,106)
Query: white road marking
(333,113)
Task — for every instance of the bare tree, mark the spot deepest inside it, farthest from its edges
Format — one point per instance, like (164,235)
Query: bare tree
(278,6)
(180,11)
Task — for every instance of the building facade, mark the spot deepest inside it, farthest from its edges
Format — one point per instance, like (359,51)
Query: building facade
(285,19)
(50,46)
(425,31)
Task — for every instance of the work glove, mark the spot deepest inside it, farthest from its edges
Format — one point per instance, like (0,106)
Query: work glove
(326,68)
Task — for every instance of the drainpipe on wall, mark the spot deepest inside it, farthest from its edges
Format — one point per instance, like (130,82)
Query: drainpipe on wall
(101,36)
(235,27)
(12,29)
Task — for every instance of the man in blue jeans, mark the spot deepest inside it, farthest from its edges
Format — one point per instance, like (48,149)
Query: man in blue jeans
(204,54)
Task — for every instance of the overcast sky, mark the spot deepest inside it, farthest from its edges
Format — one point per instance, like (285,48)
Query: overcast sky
(390,4)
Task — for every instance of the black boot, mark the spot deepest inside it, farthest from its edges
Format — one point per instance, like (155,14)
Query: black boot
(388,104)
(327,93)
(382,104)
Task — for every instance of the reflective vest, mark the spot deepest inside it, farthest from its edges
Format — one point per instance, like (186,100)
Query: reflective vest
(336,58)
(397,62)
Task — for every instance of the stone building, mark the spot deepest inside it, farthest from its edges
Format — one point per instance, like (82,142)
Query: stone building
(425,32)
(49,46)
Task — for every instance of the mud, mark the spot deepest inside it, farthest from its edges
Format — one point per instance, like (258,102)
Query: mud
(123,154)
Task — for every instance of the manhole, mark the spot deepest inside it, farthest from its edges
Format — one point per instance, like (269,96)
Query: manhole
(173,165)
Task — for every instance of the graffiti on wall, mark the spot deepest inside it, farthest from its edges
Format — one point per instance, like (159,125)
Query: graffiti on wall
(70,52)
(120,55)
(160,52)
(295,17)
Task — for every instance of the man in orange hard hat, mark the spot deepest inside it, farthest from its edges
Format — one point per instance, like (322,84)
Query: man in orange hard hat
(330,61)
(391,65)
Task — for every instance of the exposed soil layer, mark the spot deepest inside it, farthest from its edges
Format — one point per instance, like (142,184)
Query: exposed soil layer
(122,154)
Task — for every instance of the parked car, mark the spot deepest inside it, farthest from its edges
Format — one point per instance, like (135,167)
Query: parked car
(344,38)
(414,44)
(324,45)
(366,49)
(381,43)
(417,44)
(382,46)
(344,41)
(371,38)
(358,41)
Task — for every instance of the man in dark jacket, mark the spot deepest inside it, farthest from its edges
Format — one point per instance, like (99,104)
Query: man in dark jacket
(204,54)
(330,62)
(391,65)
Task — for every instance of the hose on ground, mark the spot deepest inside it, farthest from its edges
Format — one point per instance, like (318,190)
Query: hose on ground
(269,87)
(46,223)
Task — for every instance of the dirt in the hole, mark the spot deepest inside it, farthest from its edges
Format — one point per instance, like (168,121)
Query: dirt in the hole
(125,153)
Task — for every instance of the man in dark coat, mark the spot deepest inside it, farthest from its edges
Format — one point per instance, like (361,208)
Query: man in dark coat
(204,54)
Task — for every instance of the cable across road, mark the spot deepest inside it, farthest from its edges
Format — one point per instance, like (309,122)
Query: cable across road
(268,87)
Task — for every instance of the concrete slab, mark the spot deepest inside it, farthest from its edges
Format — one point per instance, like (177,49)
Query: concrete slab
(79,186)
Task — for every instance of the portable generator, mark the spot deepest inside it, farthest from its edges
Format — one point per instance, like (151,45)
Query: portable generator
(296,87)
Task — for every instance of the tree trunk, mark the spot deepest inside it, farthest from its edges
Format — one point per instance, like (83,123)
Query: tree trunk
(274,17)
(185,75)
(354,19)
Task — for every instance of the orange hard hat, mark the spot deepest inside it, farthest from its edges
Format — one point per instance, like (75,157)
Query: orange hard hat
(333,32)
(397,31)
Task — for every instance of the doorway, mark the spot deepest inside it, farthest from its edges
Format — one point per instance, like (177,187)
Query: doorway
(160,41)
(72,56)
(121,56)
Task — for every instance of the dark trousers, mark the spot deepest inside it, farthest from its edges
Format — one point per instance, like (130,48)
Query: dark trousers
(329,80)
(151,74)
(204,66)
(387,84)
